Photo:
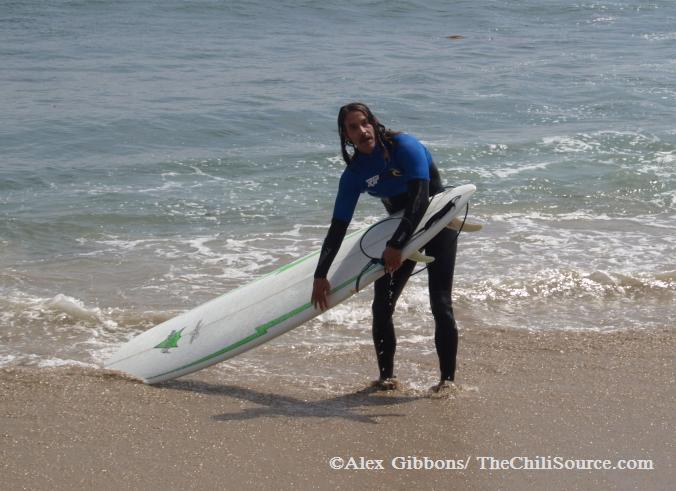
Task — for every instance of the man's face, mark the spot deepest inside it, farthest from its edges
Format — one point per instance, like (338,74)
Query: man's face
(360,131)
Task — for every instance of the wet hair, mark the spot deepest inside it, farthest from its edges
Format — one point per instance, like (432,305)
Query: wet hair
(384,136)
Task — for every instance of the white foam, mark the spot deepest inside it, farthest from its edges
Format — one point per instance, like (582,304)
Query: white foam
(347,314)
(660,36)
(664,158)
(567,144)
(127,245)
(59,362)
(416,339)
(199,243)
(7,360)
(200,172)
(604,20)
(530,218)
(163,187)
(76,309)
(561,283)
(504,173)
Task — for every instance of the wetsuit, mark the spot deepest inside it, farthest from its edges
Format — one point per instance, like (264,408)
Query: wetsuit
(403,182)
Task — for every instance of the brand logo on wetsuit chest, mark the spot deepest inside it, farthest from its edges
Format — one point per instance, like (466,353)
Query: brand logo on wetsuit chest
(372,181)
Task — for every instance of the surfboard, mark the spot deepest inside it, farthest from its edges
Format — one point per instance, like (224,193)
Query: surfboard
(257,312)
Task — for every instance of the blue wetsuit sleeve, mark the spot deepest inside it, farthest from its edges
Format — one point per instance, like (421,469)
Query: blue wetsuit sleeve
(347,197)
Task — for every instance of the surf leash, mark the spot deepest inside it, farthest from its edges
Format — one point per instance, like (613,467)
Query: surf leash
(373,261)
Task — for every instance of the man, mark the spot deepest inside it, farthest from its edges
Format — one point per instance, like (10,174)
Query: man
(399,170)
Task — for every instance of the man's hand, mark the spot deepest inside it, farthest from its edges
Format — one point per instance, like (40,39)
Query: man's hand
(320,291)
(392,259)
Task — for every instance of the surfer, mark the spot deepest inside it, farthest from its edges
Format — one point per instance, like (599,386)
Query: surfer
(398,169)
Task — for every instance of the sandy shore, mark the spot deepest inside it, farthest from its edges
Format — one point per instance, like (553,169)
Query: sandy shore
(553,395)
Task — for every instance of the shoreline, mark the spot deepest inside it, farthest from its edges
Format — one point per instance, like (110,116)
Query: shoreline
(537,395)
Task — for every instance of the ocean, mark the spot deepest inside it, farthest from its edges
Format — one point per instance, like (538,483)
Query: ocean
(156,154)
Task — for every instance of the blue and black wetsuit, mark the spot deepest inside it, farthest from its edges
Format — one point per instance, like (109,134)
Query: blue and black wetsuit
(404,181)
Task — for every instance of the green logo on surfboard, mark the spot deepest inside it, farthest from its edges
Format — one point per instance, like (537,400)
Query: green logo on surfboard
(171,341)
(173,338)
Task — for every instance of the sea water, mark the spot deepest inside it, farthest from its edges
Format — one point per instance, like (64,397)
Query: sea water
(155,154)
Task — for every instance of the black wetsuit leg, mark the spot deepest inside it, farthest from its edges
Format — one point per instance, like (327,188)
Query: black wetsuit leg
(443,248)
(386,293)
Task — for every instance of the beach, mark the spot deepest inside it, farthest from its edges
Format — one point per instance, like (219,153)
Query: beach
(550,396)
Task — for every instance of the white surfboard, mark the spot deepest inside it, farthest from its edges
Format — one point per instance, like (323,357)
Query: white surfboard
(273,304)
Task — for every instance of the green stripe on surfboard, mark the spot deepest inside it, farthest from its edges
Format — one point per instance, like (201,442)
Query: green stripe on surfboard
(261,330)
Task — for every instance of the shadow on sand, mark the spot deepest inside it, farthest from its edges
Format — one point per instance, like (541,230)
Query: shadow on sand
(348,406)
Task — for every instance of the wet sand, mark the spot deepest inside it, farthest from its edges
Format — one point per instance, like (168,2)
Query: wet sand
(522,394)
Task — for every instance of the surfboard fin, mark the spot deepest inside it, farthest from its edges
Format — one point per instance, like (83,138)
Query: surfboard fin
(456,223)
(419,257)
